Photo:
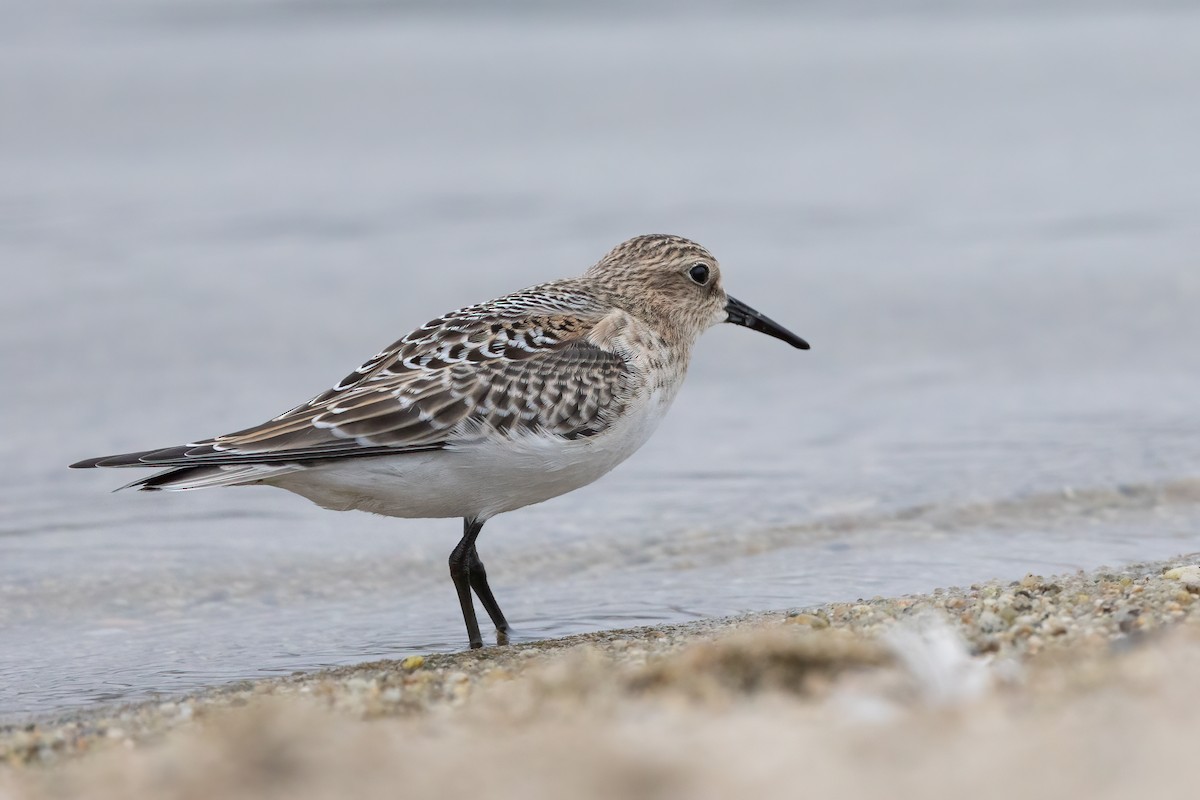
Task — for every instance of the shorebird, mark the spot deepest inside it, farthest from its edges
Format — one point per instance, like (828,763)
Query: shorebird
(489,408)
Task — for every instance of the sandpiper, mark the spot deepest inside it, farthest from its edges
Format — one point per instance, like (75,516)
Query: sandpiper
(489,408)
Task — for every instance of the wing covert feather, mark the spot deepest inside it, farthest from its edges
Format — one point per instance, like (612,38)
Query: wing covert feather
(518,364)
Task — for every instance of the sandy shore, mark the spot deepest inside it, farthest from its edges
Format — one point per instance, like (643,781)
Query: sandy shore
(1074,683)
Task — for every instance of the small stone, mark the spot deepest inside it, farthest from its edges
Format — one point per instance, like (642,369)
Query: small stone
(811,620)
(988,644)
(1130,620)
(1189,576)
(991,622)
(1054,627)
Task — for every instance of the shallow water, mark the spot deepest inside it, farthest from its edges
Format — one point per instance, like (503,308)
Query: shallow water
(984,222)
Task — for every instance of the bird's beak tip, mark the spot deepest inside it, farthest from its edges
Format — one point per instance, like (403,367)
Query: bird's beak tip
(742,314)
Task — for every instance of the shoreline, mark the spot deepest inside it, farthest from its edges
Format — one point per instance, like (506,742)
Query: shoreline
(1060,642)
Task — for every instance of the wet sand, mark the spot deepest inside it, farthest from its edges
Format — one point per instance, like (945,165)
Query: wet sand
(1072,684)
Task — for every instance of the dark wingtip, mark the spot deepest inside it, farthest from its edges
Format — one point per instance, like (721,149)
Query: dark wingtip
(87,463)
(119,460)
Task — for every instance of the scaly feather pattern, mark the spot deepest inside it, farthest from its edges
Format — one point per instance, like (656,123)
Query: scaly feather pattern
(521,363)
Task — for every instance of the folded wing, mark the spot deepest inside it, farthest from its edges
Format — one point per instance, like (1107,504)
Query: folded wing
(518,364)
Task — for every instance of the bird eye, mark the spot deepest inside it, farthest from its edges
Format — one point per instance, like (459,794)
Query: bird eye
(699,273)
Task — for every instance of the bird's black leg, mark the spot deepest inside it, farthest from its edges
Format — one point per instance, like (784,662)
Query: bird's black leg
(479,583)
(460,571)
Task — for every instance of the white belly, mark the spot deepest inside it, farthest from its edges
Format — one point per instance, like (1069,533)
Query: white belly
(478,480)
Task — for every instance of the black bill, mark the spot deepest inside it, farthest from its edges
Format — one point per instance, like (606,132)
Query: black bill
(747,317)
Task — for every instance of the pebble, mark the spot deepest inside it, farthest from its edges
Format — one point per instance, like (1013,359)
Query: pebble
(1189,576)
(990,622)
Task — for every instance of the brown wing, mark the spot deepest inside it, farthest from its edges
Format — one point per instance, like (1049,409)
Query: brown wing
(518,364)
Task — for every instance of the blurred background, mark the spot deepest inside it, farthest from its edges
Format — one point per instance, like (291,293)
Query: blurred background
(981,214)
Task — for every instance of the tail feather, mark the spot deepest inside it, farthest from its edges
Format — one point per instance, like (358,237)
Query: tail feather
(183,478)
